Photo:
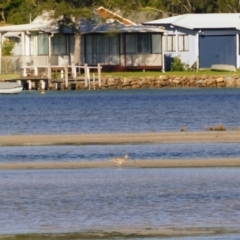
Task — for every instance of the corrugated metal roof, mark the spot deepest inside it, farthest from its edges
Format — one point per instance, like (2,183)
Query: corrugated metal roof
(12,34)
(118,27)
(202,21)
(25,27)
(106,14)
(84,27)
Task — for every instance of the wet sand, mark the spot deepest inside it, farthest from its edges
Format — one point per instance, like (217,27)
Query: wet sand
(167,163)
(120,138)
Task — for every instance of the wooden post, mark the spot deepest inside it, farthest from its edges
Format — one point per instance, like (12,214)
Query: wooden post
(49,71)
(85,74)
(29,84)
(25,71)
(35,66)
(94,87)
(0,53)
(89,83)
(43,85)
(74,71)
(66,76)
(99,75)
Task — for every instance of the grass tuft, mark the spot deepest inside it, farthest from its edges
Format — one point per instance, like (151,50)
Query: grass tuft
(218,127)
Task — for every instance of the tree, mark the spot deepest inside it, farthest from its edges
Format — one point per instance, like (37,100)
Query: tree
(71,13)
(228,6)
(5,6)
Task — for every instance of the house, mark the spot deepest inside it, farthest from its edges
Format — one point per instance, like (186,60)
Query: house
(201,39)
(116,44)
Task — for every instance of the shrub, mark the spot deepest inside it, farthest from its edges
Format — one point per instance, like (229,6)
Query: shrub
(7,47)
(183,129)
(178,66)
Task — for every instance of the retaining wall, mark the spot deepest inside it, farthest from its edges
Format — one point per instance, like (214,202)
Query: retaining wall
(111,82)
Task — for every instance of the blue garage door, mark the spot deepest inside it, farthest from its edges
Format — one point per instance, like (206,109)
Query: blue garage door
(217,50)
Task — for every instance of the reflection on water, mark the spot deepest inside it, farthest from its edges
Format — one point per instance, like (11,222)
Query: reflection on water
(119,111)
(78,200)
(104,153)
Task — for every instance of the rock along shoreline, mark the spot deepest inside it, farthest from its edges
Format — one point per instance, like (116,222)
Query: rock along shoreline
(193,81)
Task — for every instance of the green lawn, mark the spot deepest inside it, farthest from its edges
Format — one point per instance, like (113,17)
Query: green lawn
(144,74)
(9,76)
(158,73)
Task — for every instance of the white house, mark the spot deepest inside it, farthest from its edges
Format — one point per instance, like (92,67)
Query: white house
(201,39)
(116,45)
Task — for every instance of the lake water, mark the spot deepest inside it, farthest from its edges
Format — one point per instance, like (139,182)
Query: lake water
(67,201)
(118,111)
(106,152)
(61,201)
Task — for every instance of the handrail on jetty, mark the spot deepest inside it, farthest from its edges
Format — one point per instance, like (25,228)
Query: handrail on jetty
(65,72)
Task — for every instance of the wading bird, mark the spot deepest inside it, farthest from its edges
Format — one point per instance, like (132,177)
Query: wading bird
(120,160)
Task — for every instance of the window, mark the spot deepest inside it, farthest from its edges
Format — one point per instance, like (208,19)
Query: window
(156,43)
(131,42)
(138,43)
(101,48)
(43,44)
(59,46)
(183,42)
(171,43)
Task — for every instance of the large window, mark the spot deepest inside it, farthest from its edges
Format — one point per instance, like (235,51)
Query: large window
(43,44)
(143,43)
(59,44)
(138,43)
(183,42)
(102,48)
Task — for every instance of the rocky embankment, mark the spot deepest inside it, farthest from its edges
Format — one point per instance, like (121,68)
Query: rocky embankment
(111,82)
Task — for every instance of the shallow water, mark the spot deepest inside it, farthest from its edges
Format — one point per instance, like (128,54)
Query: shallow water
(106,152)
(58,201)
(118,111)
(65,201)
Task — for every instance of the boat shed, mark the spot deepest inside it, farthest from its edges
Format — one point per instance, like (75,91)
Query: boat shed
(202,40)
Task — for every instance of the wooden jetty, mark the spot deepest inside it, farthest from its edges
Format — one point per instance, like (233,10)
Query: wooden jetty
(60,77)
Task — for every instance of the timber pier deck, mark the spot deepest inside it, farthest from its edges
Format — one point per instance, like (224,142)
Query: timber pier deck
(59,78)
(44,83)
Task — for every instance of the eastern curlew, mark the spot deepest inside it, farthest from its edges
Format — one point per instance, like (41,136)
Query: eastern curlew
(120,160)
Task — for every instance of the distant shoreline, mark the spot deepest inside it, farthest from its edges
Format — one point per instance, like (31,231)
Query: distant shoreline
(121,138)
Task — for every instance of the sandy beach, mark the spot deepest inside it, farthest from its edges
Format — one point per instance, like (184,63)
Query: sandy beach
(124,138)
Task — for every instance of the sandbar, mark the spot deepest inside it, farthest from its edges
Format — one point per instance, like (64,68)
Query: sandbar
(124,138)
(121,138)
(165,163)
